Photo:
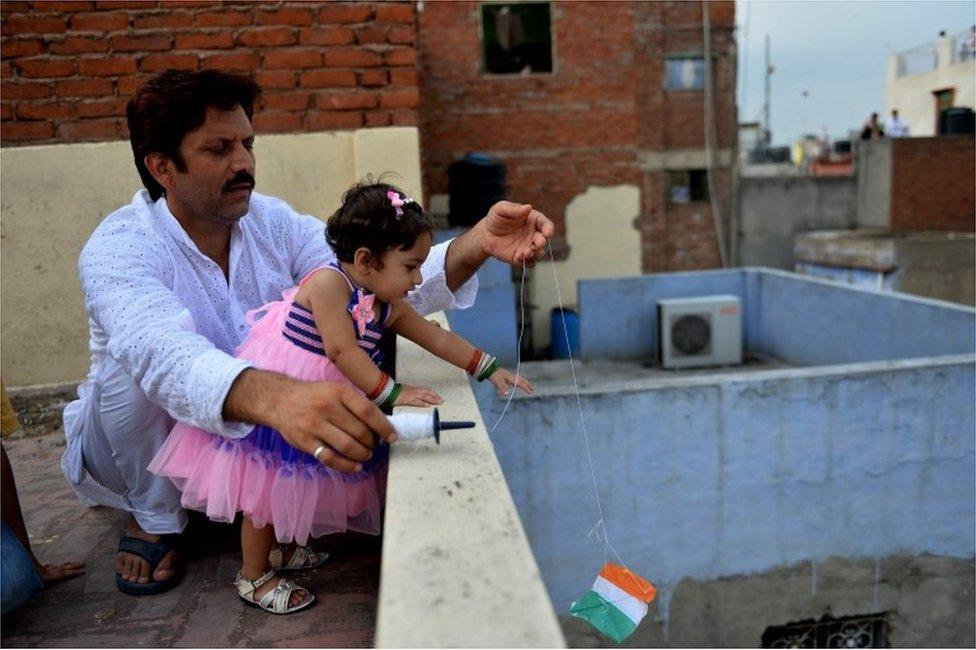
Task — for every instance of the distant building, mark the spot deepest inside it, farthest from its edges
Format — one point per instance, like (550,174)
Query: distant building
(924,80)
(579,95)
(604,117)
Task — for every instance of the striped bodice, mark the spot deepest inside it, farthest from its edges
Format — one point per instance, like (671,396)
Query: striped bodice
(300,329)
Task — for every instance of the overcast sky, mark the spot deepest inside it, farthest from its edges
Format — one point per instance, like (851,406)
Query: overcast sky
(836,51)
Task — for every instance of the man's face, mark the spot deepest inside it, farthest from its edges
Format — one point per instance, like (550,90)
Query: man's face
(215,185)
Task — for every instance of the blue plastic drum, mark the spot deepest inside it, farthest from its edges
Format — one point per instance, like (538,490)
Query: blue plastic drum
(559,347)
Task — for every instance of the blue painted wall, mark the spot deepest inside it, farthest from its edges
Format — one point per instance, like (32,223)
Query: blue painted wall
(740,473)
(800,320)
(747,474)
(490,323)
(618,316)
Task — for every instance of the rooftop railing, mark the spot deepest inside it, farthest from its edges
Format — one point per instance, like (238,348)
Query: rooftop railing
(949,50)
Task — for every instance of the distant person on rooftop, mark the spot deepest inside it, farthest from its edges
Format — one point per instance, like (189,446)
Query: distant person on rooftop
(895,127)
(872,129)
(967,48)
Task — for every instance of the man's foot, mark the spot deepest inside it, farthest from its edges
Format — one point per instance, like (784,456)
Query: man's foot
(136,562)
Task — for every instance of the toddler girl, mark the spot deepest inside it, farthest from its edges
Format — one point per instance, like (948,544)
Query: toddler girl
(326,329)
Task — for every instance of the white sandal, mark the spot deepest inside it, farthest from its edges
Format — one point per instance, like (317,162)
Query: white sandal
(275,601)
(303,559)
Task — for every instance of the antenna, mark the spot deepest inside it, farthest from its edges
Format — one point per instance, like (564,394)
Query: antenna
(766,125)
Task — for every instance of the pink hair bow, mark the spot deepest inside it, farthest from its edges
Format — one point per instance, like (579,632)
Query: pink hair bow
(398,201)
(362,313)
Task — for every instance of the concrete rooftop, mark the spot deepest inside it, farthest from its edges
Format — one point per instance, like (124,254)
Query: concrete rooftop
(554,377)
(203,611)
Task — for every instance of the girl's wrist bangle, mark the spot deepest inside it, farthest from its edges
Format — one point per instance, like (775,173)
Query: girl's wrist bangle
(392,398)
(489,370)
(383,395)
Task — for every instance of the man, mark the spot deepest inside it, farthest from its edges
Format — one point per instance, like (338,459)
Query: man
(872,129)
(168,280)
(895,127)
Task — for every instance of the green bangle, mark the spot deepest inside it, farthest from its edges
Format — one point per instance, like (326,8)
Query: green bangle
(394,394)
(487,372)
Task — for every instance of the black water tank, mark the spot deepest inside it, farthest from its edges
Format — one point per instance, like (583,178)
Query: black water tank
(956,121)
(475,183)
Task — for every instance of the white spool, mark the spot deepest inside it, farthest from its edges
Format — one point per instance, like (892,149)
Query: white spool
(413,426)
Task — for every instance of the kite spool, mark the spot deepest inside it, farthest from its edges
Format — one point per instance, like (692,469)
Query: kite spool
(418,426)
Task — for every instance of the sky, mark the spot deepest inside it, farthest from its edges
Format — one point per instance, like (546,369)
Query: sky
(834,50)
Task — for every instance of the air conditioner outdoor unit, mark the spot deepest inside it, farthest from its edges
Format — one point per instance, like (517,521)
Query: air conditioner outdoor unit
(700,332)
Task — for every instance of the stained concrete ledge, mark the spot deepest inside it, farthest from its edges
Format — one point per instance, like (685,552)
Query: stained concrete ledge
(876,249)
(457,568)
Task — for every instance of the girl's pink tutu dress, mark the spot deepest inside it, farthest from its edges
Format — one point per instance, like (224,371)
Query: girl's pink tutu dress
(263,476)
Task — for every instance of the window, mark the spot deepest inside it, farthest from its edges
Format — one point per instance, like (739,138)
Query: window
(847,632)
(517,37)
(687,185)
(944,99)
(685,73)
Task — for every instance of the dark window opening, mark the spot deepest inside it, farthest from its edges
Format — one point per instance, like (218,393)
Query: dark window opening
(944,99)
(687,185)
(517,37)
(685,73)
(846,632)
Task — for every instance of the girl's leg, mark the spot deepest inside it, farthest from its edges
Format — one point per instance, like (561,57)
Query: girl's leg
(256,543)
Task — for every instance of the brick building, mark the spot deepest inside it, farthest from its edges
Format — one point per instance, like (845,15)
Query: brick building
(68,67)
(602,94)
(614,93)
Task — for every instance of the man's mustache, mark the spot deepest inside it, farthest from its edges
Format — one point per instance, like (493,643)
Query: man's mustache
(240,178)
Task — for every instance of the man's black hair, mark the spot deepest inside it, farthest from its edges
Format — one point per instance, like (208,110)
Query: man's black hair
(175,102)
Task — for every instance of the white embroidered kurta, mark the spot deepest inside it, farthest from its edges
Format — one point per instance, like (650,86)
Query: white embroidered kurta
(169,317)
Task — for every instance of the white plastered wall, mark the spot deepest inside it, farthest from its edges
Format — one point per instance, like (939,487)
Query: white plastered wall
(912,94)
(603,244)
(52,197)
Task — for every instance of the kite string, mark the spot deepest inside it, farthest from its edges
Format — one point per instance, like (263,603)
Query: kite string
(518,351)
(601,522)
(600,527)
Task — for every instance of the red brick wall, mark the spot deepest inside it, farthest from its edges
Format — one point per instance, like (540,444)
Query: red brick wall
(594,121)
(68,68)
(933,183)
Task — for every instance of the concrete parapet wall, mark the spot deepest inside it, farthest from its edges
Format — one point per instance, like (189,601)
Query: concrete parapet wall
(937,265)
(740,474)
(53,197)
(798,319)
(874,183)
(457,568)
(774,209)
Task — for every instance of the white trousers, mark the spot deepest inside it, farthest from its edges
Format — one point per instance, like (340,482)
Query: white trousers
(113,432)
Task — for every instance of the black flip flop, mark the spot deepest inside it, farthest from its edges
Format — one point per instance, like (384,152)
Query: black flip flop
(153,553)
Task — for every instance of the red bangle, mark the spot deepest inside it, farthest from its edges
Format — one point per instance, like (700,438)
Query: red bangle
(373,394)
(475,360)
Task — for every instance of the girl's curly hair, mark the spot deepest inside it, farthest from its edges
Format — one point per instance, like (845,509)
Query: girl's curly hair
(367,218)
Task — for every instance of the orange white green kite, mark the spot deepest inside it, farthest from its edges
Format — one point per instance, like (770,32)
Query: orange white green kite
(616,603)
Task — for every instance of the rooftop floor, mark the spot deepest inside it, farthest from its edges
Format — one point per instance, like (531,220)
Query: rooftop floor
(552,378)
(203,611)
